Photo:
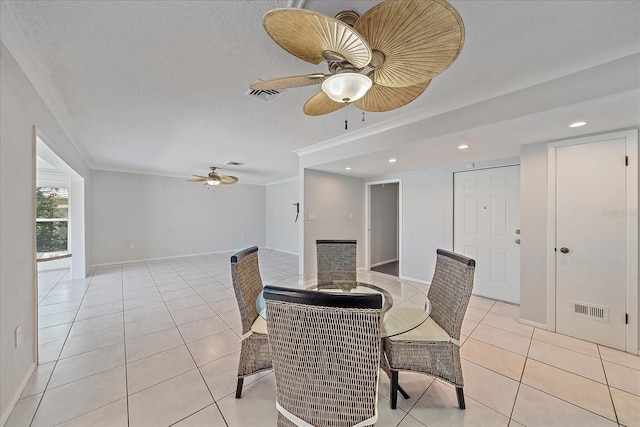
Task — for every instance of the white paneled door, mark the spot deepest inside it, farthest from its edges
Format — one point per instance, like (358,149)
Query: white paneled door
(591,242)
(486,228)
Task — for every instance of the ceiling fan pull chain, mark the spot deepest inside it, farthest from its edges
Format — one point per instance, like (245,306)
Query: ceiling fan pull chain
(346,126)
(363,116)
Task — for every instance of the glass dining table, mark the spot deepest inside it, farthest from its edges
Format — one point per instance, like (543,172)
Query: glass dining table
(404,305)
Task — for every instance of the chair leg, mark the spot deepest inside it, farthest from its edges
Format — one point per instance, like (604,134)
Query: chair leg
(394,389)
(239,388)
(460,397)
(402,392)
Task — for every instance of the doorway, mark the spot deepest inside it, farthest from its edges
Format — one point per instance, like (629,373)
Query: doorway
(383,227)
(595,255)
(486,228)
(66,186)
(60,247)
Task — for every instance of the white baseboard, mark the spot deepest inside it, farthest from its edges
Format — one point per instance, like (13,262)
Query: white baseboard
(7,413)
(384,262)
(534,324)
(281,250)
(426,282)
(107,264)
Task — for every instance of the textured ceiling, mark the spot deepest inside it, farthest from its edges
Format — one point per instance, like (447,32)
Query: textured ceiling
(159,86)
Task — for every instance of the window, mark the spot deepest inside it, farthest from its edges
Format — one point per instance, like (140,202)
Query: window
(52,218)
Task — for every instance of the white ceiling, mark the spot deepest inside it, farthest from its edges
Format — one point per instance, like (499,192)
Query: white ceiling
(159,87)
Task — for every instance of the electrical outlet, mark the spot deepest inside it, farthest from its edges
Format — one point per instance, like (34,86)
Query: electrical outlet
(18,336)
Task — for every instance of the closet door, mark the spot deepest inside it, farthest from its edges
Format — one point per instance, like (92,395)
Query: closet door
(591,242)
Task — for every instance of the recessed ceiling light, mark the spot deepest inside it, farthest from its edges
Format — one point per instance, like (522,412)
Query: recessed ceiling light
(347,168)
(392,160)
(463,147)
(577,124)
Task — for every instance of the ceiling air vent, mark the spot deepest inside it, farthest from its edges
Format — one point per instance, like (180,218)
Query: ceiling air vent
(265,95)
(591,311)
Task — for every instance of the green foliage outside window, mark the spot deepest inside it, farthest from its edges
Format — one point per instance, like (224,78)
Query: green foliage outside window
(51,236)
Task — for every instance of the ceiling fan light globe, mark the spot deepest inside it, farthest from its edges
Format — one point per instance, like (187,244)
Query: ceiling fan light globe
(213,182)
(346,87)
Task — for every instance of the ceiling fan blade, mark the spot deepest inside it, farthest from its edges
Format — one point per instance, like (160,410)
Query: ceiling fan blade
(307,35)
(381,98)
(419,39)
(228,179)
(197,179)
(320,104)
(287,82)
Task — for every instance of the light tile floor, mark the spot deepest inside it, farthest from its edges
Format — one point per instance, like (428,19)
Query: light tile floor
(156,344)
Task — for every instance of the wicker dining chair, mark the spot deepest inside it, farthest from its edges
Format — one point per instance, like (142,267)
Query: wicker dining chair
(433,348)
(326,356)
(247,284)
(336,260)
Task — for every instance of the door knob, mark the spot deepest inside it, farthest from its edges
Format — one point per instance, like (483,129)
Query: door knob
(564,250)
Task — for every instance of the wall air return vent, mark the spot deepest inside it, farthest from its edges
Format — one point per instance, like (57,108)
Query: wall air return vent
(269,95)
(591,311)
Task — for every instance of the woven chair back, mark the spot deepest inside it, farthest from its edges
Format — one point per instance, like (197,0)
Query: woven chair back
(325,357)
(450,290)
(247,284)
(336,260)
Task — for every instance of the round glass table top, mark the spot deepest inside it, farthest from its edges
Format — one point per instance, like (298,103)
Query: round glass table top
(404,305)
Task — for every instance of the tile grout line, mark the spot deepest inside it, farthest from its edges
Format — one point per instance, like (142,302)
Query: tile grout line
(124,343)
(572,404)
(526,358)
(215,402)
(477,324)
(56,284)
(46,387)
(531,339)
(201,266)
(109,403)
(199,410)
(613,405)
(190,353)
(566,401)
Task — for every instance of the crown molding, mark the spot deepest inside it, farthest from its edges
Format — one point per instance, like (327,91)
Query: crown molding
(529,80)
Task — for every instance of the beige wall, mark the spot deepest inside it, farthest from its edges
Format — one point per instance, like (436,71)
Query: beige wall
(166,217)
(20,110)
(17,245)
(533,237)
(282,232)
(427,221)
(337,202)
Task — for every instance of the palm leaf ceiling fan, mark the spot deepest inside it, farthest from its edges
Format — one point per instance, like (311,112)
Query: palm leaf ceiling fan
(379,61)
(214,178)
